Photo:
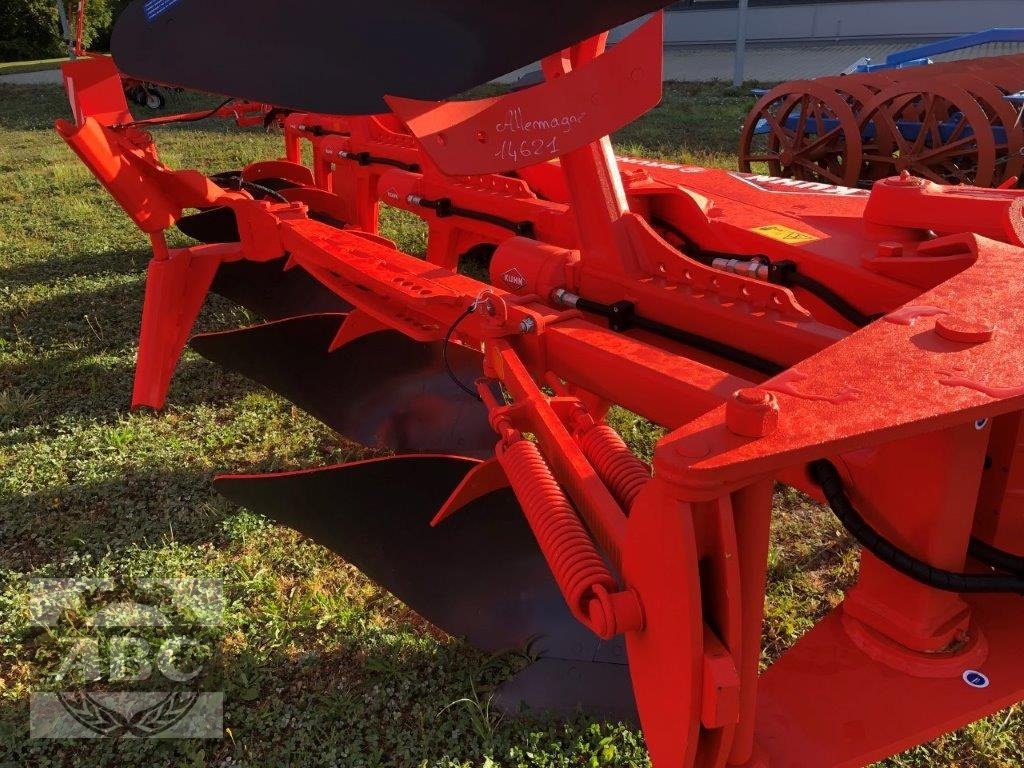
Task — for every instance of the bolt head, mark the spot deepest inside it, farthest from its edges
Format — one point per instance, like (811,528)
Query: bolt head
(964,331)
(692,449)
(904,179)
(753,396)
(752,412)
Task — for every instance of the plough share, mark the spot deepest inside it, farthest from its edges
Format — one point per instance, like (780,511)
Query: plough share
(864,348)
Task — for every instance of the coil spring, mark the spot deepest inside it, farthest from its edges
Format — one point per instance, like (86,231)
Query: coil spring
(567,547)
(623,473)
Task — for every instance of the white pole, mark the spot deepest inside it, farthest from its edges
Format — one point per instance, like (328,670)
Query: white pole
(65,29)
(741,43)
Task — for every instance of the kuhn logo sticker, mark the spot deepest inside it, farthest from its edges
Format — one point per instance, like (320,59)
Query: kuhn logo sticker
(514,279)
(795,186)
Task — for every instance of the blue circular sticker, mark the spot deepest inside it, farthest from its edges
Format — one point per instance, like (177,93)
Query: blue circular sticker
(976,679)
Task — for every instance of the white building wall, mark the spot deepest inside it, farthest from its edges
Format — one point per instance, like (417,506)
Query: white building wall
(852,20)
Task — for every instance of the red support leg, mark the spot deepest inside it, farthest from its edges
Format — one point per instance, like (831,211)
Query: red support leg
(752,507)
(176,286)
(922,492)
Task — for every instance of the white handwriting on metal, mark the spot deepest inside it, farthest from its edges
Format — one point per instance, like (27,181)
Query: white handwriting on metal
(516,124)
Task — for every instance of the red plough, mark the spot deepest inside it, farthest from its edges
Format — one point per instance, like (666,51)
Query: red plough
(863,348)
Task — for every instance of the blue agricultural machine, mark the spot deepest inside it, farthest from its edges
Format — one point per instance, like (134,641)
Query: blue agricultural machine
(955,122)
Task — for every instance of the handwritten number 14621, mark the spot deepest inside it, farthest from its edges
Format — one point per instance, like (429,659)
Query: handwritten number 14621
(527,148)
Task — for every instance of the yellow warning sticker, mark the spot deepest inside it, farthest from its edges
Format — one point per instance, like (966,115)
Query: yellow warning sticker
(785,234)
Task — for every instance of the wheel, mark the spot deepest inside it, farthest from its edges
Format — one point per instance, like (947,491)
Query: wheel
(858,91)
(934,130)
(803,130)
(154,99)
(1004,123)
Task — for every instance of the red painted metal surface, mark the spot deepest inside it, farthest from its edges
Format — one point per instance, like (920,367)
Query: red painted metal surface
(840,399)
(542,123)
(669,290)
(845,709)
(94,90)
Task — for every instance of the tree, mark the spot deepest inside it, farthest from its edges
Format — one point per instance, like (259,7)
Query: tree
(113,8)
(30,29)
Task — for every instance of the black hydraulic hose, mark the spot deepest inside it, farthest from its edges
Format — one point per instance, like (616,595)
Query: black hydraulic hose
(828,478)
(184,119)
(787,274)
(444,353)
(444,208)
(233,180)
(694,251)
(784,273)
(622,317)
(996,558)
(259,189)
(365,158)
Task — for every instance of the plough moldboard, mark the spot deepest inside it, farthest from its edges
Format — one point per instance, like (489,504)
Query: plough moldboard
(861,347)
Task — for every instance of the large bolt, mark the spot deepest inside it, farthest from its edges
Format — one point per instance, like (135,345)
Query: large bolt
(752,413)
(964,331)
(904,179)
(527,325)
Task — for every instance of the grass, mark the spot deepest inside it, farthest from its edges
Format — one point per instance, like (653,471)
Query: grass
(319,666)
(39,65)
